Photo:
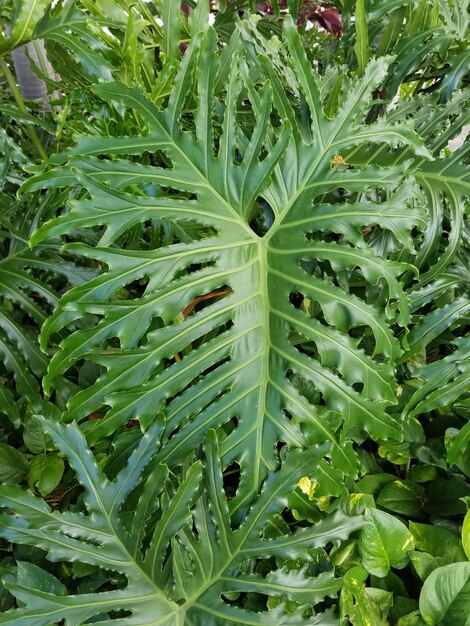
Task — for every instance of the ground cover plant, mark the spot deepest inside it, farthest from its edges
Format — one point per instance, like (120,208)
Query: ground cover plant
(234,313)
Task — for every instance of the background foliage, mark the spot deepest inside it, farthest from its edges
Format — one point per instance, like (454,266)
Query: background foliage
(234,313)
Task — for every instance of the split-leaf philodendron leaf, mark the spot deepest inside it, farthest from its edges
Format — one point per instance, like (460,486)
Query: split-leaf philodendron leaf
(272,292)
(178,565)
(299,323)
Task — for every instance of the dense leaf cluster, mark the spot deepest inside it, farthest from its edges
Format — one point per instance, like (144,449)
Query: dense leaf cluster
(234,313)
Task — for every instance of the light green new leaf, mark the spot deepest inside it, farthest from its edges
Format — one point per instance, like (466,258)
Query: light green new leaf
(361,47)
(171,28)
(13,464)
(466,534)
(26,16)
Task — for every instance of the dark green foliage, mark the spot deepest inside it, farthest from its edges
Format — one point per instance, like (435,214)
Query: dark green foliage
(234,316)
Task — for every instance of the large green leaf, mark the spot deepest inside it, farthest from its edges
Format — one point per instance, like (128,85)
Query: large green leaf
(444,181)
(273,259)
(280,291)
(179,557)
(439,299)
(385,542)
(404,497)
(445,596)
(69,25)
(459,67)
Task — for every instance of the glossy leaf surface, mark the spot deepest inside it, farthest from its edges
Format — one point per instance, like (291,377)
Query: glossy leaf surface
(178,566)
(260,290)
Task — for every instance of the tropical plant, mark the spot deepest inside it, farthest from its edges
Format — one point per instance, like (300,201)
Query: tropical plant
(248,262)
(208,561)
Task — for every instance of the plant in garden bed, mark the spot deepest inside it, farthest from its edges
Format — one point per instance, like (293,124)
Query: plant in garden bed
(270,291)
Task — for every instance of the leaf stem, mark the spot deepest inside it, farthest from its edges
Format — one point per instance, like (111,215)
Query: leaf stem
(22,107)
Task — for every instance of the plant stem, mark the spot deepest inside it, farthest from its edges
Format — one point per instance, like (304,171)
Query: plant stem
(22,107)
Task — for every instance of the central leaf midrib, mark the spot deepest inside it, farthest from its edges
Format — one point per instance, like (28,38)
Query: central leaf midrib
(116,529)
(238,548)
(264,377)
